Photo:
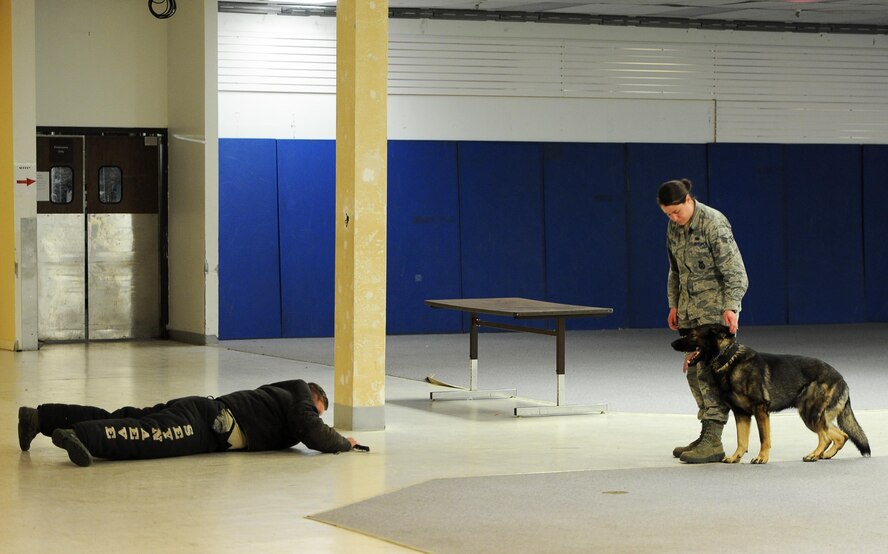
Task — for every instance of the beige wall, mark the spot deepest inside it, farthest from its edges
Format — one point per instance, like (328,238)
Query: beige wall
(7,260)
(211,165)
(193,204)
(24,85)
(25,155)
(100,63)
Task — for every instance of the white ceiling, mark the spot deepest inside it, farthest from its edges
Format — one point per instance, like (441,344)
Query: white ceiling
(793,12)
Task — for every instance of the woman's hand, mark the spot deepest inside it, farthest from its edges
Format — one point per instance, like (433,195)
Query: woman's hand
(732,320)
(672,319)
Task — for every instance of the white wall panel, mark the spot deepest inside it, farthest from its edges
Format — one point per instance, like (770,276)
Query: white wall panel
(277,115)
(427,117)
(803,122)
(530,81)
(549,119)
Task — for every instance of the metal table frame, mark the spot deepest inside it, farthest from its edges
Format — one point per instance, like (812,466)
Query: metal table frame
(519,309)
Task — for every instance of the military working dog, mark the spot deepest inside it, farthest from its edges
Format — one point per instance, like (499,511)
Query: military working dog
(756,384)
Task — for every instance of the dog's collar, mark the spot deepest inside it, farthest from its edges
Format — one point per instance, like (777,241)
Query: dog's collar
(725,357)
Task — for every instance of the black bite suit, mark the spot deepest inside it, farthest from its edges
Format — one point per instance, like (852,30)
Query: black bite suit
(271,417)
(176,428)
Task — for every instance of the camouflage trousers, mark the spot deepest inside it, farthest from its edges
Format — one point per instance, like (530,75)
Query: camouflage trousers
(705,391)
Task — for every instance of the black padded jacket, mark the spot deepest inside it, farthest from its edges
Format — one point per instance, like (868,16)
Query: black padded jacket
(280,415)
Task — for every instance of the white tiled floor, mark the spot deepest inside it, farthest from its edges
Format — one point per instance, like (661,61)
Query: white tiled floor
(238,502)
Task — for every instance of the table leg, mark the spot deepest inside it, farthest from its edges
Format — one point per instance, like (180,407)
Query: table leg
(559,361)
(560,407)
(473,352)
(473,392)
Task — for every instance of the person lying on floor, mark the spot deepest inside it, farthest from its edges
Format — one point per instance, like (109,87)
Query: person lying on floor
(272,417)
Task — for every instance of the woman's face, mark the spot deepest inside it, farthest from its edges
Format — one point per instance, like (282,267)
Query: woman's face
(680,213)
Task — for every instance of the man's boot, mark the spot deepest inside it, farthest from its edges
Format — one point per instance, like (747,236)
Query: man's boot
(679,450)
(710,448)
(28,427)
(77,453)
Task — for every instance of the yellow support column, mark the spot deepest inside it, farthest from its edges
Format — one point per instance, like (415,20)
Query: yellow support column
(7,192)
(361,171)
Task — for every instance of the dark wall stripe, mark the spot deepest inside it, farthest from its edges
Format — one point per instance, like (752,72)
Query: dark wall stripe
(249,265)
(746,184)
(423,236)
(307,175)
(585,202)
(824,263)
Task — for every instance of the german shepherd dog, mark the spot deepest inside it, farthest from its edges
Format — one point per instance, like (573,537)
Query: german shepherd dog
(756,384)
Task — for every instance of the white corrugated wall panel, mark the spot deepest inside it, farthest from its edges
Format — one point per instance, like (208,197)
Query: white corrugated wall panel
(269,62)
(474,66)
(637,70)
(801,122)
(812,74)
(776,87)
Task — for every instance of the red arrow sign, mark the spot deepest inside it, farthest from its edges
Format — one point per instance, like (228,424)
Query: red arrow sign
(27,182)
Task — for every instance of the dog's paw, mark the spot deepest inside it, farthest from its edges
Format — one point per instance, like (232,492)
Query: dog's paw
(810,458)
(759,460)
(732,459)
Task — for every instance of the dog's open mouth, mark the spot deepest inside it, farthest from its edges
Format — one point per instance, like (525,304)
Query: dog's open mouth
(691,358)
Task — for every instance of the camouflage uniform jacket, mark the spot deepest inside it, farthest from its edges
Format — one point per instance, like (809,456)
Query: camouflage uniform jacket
(706,271)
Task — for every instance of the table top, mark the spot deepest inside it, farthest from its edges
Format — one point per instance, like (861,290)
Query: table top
(519,308)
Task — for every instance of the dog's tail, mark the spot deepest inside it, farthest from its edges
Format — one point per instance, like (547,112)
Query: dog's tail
(848,423)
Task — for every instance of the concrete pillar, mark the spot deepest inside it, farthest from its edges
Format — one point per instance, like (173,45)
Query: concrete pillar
(361,171)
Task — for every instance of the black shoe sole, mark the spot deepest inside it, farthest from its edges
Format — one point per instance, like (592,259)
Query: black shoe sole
(679,450)
(65,438)
(25,432)
(707,460)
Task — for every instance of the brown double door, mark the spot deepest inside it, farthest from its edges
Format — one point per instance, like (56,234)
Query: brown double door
(99,237)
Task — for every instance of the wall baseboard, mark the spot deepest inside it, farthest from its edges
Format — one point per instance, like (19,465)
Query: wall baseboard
(193,338)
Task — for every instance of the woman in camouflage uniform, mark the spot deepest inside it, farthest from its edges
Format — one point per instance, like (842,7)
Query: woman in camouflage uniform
(707,281)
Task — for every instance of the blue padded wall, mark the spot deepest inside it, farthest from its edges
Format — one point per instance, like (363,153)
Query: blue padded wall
(875,230)
(746,184)
(585,208)
(569,222)
(501,219)
(824,232)
(423,236)
(647,167)
(249,277)
(307,177)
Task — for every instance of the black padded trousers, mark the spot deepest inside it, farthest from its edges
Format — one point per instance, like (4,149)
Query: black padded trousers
(176,428)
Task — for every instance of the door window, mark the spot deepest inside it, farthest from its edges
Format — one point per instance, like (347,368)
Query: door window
(61,184)
(110,184)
